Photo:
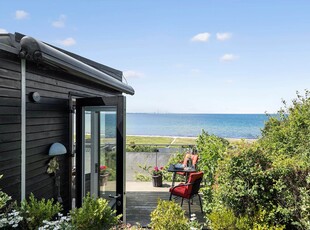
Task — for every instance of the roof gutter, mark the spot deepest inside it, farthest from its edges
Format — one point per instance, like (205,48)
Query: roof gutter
(37,51)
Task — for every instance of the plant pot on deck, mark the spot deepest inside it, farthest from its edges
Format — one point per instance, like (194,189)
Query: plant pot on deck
(104,179)
(157,180)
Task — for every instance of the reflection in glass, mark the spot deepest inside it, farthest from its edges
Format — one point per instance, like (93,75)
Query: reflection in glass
(100,151)
(87,152)
(107,177)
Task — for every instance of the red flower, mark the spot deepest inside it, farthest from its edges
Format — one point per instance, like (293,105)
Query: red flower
(157,171)
(103,167)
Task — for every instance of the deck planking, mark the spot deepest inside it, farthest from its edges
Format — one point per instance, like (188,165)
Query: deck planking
(141,204)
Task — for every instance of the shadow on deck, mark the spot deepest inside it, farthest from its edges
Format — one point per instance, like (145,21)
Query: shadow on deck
(140,204)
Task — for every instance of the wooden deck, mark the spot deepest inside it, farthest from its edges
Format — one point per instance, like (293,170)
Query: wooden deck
(141,204)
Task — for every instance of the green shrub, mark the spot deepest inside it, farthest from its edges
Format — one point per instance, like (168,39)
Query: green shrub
(222,219)
(132,147)
(4,198)
(225,218)
(210,150)
(244,181)
(305,206)
(142,177)
(94,214)
(168,216)
(288,133)
(34,211)
(265,185)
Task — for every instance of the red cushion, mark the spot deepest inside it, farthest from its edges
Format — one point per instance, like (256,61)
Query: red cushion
(185,191)
(194,176)
(181,191)
(181,173)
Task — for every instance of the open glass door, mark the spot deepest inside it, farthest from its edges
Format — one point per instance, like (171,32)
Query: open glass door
(100,149)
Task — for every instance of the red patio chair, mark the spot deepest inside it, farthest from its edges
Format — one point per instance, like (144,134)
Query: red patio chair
(189,190)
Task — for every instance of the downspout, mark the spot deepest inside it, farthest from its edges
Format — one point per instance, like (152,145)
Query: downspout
(23,129)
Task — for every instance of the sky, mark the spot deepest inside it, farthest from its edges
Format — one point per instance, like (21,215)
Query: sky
(199,56)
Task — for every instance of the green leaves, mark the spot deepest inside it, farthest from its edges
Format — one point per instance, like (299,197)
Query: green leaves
(35,211)
(211,150)
(94,214)
(168,216)
(4,198)
(264,185)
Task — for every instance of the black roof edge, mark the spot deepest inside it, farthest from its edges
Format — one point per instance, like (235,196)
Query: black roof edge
(8,43)
(106,69)
(37,51)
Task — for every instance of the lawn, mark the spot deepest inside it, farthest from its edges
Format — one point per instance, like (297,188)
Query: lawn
(160,140)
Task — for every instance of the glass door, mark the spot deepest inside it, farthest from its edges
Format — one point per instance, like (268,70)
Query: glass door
(100,149)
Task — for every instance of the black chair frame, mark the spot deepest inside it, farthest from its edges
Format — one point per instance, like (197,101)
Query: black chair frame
(194,192)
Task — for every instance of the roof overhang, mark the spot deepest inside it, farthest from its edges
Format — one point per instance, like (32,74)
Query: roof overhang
(37,51)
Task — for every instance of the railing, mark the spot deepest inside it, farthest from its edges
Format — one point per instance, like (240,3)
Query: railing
(159,157)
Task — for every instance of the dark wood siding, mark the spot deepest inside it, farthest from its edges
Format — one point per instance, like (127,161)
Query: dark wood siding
(10,129)
(47,122)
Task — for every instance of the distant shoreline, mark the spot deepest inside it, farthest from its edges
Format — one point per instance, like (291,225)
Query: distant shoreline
(160,136)
(183,137)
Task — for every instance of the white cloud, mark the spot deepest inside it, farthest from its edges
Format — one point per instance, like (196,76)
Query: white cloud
(202,37)
(223,36)
(21,14)
(228,57)
(132,74)
(67,42)
(60,23)
(3,31)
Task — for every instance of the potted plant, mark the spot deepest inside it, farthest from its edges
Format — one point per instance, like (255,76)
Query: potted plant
(157,176)
(104,174)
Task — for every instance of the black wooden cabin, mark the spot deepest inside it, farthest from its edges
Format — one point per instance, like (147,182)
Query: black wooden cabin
(49,95)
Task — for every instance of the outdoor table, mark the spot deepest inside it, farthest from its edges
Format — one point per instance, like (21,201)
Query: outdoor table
(174,169)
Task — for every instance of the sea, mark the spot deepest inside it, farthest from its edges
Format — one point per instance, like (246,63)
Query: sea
(247,126)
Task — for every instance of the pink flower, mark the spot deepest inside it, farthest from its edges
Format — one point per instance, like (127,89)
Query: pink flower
(157,171)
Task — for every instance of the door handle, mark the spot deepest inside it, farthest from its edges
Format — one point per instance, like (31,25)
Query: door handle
(96,168)
(116,196)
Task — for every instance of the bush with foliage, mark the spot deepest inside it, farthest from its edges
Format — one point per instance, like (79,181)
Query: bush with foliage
(94,214)
(34,212)
(264,185)
(210,150)
(169,216)
(132,147)
(146,176)
(4,198)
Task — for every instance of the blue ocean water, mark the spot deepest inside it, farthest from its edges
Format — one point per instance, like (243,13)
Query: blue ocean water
(224,125)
